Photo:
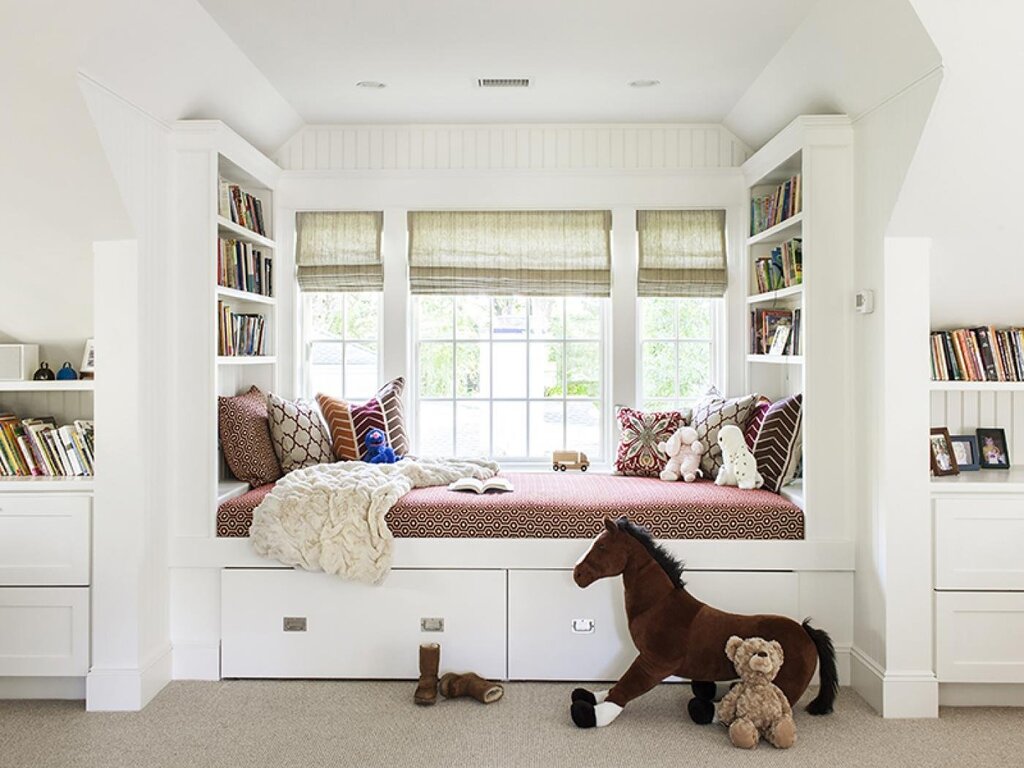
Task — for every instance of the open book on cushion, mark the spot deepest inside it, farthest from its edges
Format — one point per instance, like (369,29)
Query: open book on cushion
(493,484)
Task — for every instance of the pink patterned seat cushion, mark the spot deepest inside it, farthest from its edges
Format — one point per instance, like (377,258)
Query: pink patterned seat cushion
(234,516)
(571,506)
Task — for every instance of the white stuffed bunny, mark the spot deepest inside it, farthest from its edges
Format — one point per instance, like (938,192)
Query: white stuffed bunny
(740,468)
(684,451)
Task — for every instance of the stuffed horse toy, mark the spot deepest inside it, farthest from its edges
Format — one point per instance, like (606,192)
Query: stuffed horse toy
(677,634)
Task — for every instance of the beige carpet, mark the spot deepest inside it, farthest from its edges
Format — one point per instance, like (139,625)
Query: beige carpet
(249,724)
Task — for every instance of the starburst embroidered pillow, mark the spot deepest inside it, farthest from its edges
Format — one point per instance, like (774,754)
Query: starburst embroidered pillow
(640,433)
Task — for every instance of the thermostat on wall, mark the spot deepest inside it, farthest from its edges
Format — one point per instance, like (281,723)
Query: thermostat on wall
(865,302)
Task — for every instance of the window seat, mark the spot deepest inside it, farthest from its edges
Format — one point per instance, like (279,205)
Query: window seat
(549,505)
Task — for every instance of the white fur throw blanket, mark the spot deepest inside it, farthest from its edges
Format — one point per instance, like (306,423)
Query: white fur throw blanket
(331,517)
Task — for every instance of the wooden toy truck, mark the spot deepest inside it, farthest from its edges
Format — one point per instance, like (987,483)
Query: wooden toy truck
(563,460)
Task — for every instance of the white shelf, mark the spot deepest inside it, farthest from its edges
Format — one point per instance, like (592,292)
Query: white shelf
(248,296)
(769,297)
(77,385)
(229,230)
(776,359)
(982,481)
(246,360)
(976,386)
(781,232)
(46,484)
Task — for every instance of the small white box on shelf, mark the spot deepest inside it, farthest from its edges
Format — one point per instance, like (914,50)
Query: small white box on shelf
(18,361)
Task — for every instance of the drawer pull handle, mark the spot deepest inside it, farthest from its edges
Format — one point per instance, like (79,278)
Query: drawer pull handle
(435,624)
(583,626)
(294,624)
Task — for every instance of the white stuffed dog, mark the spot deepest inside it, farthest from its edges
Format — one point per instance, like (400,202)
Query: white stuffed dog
(740,468)
(684,451)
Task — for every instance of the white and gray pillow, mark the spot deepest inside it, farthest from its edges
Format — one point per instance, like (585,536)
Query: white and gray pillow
(298,433)
(710,415)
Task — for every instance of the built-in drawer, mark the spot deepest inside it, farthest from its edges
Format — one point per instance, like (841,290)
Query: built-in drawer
(558,631)
(978,544)
(44,631)
(290,623)
(978,637)
(44,540)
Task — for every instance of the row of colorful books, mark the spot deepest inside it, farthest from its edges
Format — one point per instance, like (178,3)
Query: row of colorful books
(984,353)
(782,269)
(38,447)
(241,207)
(774,208)
(775,332)
(243,267)
(239,334)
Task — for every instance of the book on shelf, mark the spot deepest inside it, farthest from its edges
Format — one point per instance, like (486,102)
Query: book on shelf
(39,448)
(775,207)
(241,207)
(493,484)
(765,325)
(983,353)
(239,334)
(783,268)
(244,267)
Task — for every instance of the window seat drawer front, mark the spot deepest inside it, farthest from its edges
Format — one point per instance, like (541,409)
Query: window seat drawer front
(558,631)
(978,637)
(44,631)
(44,541)
(978,544)
(290,623)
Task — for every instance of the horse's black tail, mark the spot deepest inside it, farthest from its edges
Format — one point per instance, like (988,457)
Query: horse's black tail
(828,679)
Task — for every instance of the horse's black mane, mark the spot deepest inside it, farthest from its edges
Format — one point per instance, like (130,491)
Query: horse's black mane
(669,564)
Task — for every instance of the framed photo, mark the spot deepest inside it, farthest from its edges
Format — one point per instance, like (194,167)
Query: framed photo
(943,457)
(992,449)
(779,340)
(89,357)
(965,451)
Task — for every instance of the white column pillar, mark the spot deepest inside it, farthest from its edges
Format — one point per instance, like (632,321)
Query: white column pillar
(395,306)
(623,363)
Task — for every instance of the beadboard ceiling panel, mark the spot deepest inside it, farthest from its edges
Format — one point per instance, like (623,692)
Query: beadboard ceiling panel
(512,148)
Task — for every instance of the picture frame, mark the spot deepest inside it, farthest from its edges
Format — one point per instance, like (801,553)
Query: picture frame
(965,451)
(778,346)
(941,451)
(993,451)
(88,357)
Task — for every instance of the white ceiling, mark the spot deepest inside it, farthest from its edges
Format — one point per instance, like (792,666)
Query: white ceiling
(580,53)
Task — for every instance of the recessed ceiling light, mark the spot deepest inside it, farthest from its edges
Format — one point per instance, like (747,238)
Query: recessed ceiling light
(644,83)
(371,84)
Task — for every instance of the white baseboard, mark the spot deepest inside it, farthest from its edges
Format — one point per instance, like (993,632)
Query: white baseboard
(127,690)
(843,663)
(196,662)
(67,688)
(981,695)
(894,694)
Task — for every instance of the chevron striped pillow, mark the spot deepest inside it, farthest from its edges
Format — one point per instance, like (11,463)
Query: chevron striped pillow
(779,443)
(349,422)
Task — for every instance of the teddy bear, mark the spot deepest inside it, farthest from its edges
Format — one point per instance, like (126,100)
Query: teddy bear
(684,451)
(755,706)
(740,467)
(377,449)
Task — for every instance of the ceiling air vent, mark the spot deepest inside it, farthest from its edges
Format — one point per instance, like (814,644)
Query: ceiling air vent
(503,82)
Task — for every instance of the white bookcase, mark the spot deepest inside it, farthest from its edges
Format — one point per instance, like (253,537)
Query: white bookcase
(818,148)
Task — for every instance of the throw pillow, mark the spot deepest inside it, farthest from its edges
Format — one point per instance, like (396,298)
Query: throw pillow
(779,444)
(756,419)
(300,439)
(350,422)
(639,437)
(245,438)
(709,416)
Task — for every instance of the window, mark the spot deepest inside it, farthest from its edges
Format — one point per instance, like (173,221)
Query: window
(513,378)
(677,355)
(341,344)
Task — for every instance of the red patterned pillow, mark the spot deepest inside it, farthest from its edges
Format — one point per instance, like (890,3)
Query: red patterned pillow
(779,444)
(639,437)
(299,437)
(755,420)
(245,438)
(349,422)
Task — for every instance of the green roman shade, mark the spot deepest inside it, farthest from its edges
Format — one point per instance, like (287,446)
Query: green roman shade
(506,253)
(339,251)
(682,253)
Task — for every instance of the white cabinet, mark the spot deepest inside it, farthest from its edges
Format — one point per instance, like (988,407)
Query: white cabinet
(979,544)
(978,637)
(44,540)
(44,632)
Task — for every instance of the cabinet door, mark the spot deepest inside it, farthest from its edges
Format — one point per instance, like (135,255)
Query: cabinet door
(978,544)
(44,540)
(978,637)
(44,631)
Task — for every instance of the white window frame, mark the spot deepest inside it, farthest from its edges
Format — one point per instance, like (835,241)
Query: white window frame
(306,340)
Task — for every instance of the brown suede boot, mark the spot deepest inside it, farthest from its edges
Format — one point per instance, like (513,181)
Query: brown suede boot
(470,684)
(430,659)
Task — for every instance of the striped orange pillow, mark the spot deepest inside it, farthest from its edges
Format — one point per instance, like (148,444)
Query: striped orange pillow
(349,423)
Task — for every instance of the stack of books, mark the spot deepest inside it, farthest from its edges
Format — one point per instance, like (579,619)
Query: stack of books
(775,332)
(775,207)
(242,267)
(978,354)
(241,207)
(783,269)
(239,334)
(38,447)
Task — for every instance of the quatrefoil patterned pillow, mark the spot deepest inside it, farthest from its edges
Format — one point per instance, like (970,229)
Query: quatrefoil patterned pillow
(299,436)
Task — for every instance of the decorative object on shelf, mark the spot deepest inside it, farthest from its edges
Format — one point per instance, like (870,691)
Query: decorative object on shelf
(779,340)
(684,450)
(992,449)
(377,449)
(756,707)
(563,460)
(89,357)
(18,361)
(67,373)
(44,373)
(965,451)
(943,456)
(740,466)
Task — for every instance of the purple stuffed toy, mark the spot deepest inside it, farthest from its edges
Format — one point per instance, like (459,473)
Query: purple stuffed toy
(377,449)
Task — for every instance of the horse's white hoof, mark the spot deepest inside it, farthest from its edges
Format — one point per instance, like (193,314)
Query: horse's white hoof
(605,713)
